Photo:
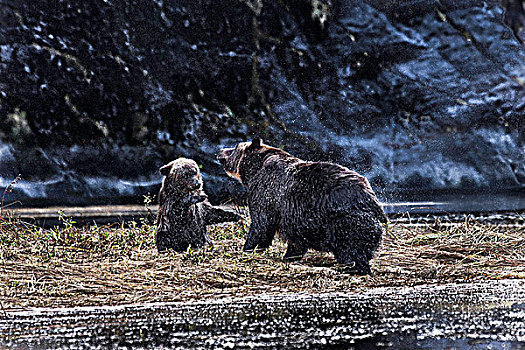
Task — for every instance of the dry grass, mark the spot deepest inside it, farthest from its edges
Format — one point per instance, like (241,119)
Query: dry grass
(118,264)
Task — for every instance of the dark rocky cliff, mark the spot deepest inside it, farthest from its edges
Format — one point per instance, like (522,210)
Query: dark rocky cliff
(420,96)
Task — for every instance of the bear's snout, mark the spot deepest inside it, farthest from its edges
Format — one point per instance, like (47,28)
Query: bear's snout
(195,184)
(222,156)
(228,158)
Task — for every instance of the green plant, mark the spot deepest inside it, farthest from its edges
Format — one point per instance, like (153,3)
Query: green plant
(66,221)
(150,218)
(8,189)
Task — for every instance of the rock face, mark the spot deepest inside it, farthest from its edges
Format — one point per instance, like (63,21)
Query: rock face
(419,96)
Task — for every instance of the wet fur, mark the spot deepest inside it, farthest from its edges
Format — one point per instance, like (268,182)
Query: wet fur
(318,205)
(184,210)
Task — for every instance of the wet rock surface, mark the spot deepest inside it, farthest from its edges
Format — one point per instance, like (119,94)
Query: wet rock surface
(462,316)
(418,96)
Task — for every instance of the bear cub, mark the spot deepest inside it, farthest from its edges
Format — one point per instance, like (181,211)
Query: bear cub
(318,205)
(184,210)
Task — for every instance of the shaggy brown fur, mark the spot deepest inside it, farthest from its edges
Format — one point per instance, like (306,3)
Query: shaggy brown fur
(184,210)
(316,205)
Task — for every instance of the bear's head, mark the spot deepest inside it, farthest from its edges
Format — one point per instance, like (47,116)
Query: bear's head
(182,176)
(245,159)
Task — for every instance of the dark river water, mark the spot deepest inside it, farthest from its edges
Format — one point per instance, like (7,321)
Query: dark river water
(452,316)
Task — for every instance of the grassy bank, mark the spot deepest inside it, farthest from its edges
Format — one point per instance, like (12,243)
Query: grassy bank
(118,264)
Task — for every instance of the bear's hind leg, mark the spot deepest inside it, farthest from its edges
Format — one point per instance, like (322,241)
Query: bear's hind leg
(166,240)
(162,241)
(354,250)
(294,252)
(356,237)
(356,263)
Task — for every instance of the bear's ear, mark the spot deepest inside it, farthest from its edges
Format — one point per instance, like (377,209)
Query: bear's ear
(256,143)
(165,169)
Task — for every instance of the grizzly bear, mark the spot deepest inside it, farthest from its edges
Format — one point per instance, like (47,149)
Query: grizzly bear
(184,210)
(318,205)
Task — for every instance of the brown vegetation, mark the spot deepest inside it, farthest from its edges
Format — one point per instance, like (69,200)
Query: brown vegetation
(119,264)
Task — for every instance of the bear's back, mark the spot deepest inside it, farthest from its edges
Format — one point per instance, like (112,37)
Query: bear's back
(329,188)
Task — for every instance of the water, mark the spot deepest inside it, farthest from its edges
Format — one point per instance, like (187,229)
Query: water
(460,316)
(443,204)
